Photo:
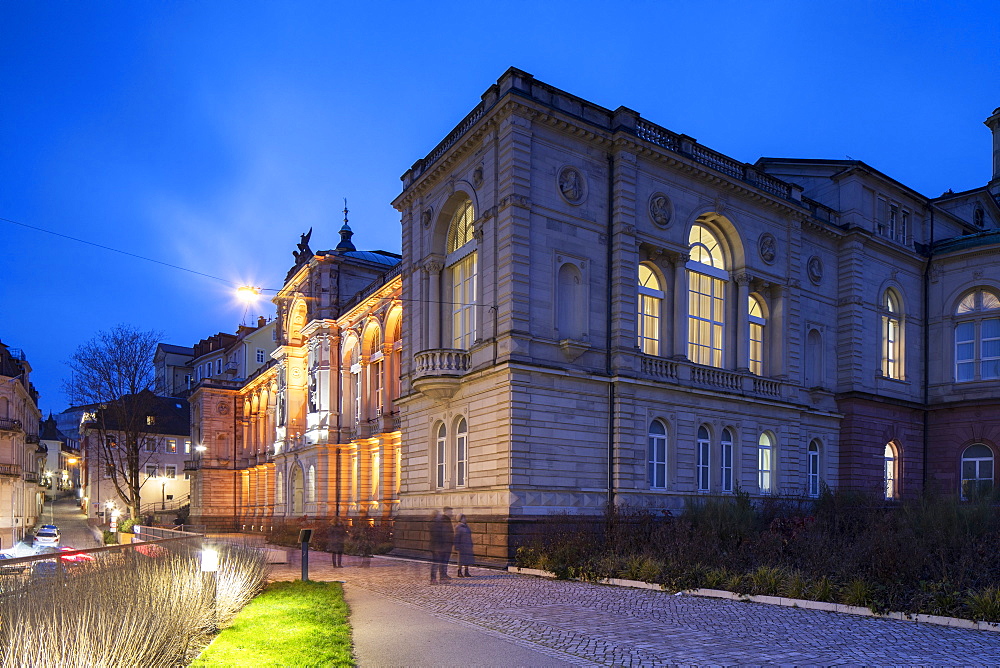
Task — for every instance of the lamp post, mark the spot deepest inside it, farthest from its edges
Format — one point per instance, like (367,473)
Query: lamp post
(209,568)
(163,493)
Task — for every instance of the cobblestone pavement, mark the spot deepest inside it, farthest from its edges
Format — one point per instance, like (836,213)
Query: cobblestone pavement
(588,624)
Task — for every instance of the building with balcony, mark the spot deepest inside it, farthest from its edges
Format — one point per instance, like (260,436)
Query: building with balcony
(312,430)
(20,495)
(604,311)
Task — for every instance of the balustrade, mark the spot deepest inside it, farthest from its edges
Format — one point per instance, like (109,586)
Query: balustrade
(10,470)
(441,362)
(10,424)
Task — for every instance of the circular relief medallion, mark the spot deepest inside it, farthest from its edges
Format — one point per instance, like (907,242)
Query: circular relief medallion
(571,185)
(223,408)
(425,217)
(660,209)
(767,246)
(815,270)
(477,176)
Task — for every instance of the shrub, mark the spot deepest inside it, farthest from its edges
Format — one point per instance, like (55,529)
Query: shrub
(794,585)
(984,605)
(767,580)
(857,592)
(822,589)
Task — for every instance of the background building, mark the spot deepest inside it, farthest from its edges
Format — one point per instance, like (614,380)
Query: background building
(21,497)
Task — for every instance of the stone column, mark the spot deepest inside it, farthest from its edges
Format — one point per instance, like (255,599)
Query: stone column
(742,321)
(680,306)
(433,269)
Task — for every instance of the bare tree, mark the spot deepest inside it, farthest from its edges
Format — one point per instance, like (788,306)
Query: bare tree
(113,375)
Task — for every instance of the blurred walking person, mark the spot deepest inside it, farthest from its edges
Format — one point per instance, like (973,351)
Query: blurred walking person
(335,543)
(442,541)
(463,545)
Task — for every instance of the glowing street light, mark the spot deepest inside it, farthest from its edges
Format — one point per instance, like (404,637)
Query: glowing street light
(248,293)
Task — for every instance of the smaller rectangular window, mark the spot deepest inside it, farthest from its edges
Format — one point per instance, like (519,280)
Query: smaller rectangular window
(150,470)
(218,365)
(187,446)
(150,420)
(149,445)
(261,356)
(170,472)
(171,445)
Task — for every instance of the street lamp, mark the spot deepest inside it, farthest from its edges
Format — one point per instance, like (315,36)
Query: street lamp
(163,492)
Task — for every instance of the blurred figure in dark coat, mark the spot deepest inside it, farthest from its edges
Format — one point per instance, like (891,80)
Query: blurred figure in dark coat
(442,541)
(463,545)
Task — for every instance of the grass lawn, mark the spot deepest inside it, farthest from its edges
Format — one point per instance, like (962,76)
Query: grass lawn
(289,624)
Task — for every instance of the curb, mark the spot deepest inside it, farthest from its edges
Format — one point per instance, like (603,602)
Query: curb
(937,620)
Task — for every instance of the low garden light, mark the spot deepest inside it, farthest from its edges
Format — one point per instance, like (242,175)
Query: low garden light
(209,571)
(209,560)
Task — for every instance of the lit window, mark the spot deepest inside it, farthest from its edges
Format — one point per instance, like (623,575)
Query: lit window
(704,449)
(977,337)
(440,454)
(461,453)
(891,362)
(151,470)
(650,300)
(187,446)
(171,445)
(311,484)
(757,323)
(764,463)
(706,297)
(150,420)
(726,461)
(977,471)
(890,471)
(462,269)
(657,456)
(814,469)
(170,472)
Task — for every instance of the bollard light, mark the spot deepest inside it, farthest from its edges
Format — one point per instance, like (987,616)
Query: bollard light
(209,560)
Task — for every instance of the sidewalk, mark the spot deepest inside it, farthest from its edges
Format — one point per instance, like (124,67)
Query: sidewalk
(500,619)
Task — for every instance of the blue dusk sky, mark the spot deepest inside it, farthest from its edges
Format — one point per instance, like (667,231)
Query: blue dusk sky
(209,135)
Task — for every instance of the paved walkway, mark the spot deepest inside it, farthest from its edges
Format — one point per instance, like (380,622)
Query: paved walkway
(499,619)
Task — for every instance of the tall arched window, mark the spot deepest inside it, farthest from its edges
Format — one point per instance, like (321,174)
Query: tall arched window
(704,455)
(657,455)
(813,464)
(650,301)
(765,462)
(462,270)
(707,278)
(376,472)
(977,471)
(891,313)
(977,337)
(890,471)
(311,484)
(279,487)
(440,455)
(376,373)
(757,322)
(726,461)
(461,453)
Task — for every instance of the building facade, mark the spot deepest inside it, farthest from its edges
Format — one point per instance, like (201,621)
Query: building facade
(21,496)
(600,311)
(313,431)
(610,313)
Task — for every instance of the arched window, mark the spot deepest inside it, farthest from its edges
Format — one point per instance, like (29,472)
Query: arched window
(461,453)
(650,301)
(726,461)
(311,484)
(657,456)
(376,373)
(977,471)
(440,455)
(376,473)
(814,359)
(814,469)
(356,383)
(462,270)
(765,472)
(704,451)
(977,337)
(707,278)
(279,487)
(757,322)
(890,471)
(891,313)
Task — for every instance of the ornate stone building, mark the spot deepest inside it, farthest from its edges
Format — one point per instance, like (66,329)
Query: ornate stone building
(602,311)
(314,432)
(610,312)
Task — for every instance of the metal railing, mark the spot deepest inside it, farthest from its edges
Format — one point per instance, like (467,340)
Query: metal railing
(9,424)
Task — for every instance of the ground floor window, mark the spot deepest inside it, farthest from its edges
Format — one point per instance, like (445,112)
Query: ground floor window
(977,471)
(657,455)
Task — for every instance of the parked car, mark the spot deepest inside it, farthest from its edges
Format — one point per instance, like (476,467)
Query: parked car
(46,536)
